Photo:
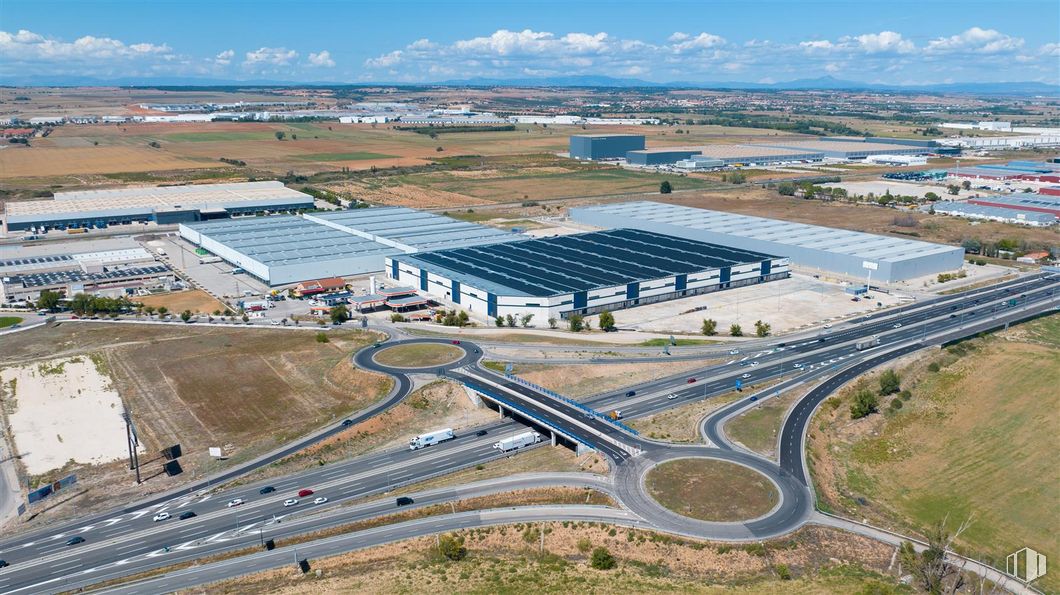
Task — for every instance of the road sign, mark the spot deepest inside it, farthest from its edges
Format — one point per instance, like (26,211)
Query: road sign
(868,264)
(508,368)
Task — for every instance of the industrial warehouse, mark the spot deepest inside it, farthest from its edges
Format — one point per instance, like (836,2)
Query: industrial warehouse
(286,249)
(707,156)
(582,273)
(856,148)
(848,253)
(88,209)
(604,146)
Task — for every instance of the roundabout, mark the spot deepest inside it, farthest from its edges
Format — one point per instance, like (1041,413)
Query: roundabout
(711,490)
(418,355)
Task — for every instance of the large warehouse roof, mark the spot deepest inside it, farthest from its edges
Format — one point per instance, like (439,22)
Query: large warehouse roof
(166,198)
(851,146)
(411,230)
(288,239)
(746,151)
(565,264)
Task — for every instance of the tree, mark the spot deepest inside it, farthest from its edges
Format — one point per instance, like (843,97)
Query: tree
(280,134)
(953,189)
(185,315)
(710,327)
(890,383)
(339,314)
(162,311)
(462,319)
(735,330)
(48,300)
(786,189)
(607,321)
(665,187)
(762,328)
(930,568)
(149,310)
(602,559)
(865,403)
(499,321)
(972,245)
(322,337)
(294,137)
(525,320)
(247,318)
(397,317)
(452,547)
(966,185)
(510,319)
(553,323)
(931,196)
(576,322)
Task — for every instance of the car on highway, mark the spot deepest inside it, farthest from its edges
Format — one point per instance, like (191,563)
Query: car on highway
(753,364)
(953,316)
(75,540)
(734,352)
(455,342)
(829,325)
(302,493)
(691,380)
(797,366)
(671,397)
(267,490)
(404,501)
(187,514)
(289,502)
(347,423)
(754,398)
(745,376)
(162,516)
(631,393)
(4,564)
(898,325)
(320,500)
(234,502)
(481,433)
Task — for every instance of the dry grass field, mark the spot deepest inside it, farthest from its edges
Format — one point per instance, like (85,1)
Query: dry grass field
(711,490)
(57,161)
(586,380)
(421,355)
(194,300)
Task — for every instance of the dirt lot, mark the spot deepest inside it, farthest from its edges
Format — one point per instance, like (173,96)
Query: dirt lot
(505,560)
(711,490)
(245,390)
(45,161)
(975,440)
(586,380)
(195,300)
(681,424)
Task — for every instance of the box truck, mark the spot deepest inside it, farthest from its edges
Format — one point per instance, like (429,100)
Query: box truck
(425,440)
(866,343)
(518,441)
(209,259)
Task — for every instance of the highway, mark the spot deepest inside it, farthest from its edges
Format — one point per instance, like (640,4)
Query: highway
(128,540)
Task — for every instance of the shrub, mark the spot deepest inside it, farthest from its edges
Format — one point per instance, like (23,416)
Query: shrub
(783,572)
(452,547)
(584,545)
(889,383)
(905,395)
(865,403)
(934,367)
(322,337)
(665,187)
(735,330)
(602,559)
(896,403)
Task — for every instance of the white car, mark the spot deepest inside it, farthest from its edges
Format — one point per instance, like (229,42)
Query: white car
(289,502)
(235,502)
(898,325)
(671,397)
(745,376)
(753,364)
(829,325)
(161,516)
(798,366)
(320,500)
(734,352)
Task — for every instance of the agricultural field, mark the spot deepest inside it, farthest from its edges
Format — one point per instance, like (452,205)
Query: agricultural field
(975,440)
(54,161)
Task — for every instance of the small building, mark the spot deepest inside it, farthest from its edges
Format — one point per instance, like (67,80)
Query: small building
(316,286)
(604,146)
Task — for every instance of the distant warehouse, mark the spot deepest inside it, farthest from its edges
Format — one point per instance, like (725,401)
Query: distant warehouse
(839,147)
(849,253)
(706,156)
(604,146)
(160,205)
(581,274)
(988,213)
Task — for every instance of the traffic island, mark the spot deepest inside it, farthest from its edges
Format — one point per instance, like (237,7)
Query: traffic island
(711,490)
(418,355)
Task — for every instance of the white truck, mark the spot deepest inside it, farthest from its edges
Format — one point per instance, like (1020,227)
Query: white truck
(867,343)
(518,441)
(210,259)
(430,438)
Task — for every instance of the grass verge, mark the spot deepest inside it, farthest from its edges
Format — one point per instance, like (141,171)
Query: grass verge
(711,490)
(418,355)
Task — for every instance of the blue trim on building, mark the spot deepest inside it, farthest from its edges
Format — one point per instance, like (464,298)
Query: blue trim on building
(423,279)
(767,265)
(456,292)
(633,290)
(681,282)
(726,275)
(581,299)
(491,304)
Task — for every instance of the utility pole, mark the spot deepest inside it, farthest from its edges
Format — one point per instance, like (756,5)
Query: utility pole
(133,442)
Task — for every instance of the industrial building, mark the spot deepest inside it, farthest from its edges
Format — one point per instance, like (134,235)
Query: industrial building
(286,249)
(113,272)
(1022,201)
(708,156)
(604,146)
(660,156)
(848,253)
(987,143)
(988,213)
(582,273)
(850,148)
(160,205)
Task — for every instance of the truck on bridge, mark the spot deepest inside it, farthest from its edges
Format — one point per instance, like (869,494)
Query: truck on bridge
(518,441)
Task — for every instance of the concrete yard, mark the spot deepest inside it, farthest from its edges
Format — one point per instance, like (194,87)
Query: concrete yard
(786,304)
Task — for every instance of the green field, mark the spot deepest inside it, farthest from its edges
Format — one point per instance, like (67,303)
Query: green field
(711,490)
(6,321)
(352,156)
(214,137)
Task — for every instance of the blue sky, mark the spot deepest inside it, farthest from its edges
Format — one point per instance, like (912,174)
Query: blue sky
(895,42)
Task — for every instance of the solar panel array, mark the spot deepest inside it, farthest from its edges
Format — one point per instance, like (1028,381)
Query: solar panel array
(581,262)
(77,276)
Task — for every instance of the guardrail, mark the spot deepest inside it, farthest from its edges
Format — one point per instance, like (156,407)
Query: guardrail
(580,406)
(507,403)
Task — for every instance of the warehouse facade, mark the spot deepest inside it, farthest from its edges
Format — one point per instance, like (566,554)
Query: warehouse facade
(659,156)
(849,253)
(581,274)
(162,205)
(604,146)
(855,148)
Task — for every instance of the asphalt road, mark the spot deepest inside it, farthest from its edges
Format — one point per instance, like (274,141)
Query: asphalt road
(41,556)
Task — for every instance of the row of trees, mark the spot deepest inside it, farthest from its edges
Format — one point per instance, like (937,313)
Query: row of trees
(710,328)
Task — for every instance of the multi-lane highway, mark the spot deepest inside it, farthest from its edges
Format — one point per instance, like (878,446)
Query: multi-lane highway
(128,541)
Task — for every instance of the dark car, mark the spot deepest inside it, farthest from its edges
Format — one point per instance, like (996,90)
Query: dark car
(75,540)
(404,501)
(630,393)
(953,316)
(481,433)
(267,490)
(4,564)
(187,514)
(754,398)
(691,380)
(347,423)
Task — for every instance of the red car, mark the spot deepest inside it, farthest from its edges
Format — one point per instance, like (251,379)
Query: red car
(456,342)
(304,493)
(691,380)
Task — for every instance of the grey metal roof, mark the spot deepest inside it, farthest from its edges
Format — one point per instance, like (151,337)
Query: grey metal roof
(956,208)
(415,229)
(75,276)
(855,243)
(581,262)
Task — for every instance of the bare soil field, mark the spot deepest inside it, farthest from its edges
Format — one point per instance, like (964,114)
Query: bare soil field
(44,161)
(506,559)
(586,380)
(245,390)
(195,300)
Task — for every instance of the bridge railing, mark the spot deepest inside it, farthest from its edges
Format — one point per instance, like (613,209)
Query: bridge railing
(579,406)
(514,407)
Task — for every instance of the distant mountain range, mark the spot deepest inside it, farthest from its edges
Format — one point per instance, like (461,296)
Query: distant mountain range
(598,81)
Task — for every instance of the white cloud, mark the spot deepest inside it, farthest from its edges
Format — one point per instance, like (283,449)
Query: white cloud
(265,56)
(29,46)
(1050,49)
(321,59)
(386,60)
(822,44)
(884,41)
(224,58)
(832,67)
(678,36)
(977,40)
(703,41)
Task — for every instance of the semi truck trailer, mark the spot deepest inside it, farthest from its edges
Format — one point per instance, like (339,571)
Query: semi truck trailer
(867,343)
(425,440)
(518,441)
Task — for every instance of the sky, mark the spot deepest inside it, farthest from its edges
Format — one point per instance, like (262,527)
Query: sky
(894,42)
